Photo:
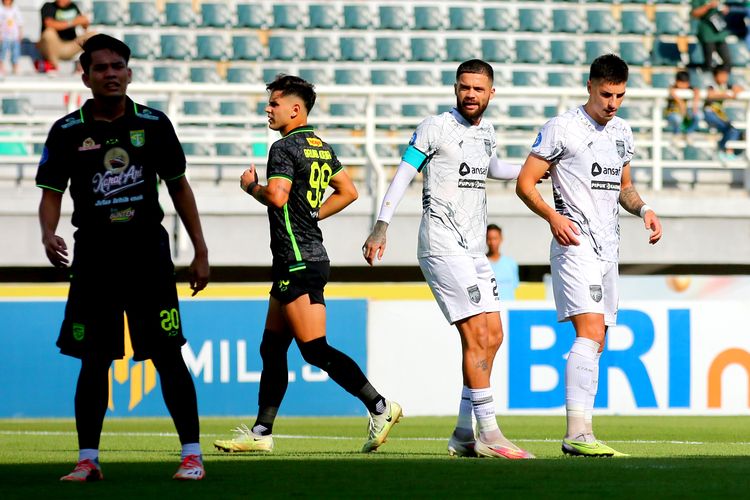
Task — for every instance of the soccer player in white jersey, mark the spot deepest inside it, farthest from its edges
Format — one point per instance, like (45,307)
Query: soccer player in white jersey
(456,152)
(587,151)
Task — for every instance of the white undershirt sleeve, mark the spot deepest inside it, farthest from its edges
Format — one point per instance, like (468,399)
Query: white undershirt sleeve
(404,175)
(502,170)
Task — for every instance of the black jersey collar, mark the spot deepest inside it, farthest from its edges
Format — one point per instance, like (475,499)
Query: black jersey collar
(86,111)
(302,128)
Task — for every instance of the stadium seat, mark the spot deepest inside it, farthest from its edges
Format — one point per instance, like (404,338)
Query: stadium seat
(317,75)
(669,23)
(144,14)
(180,14)
(197,107)
(526,112)
(288,16)
(160,104)
(497,50)
(416,110)
(216,15)
(355,48)
(634,53)
(633,110)
(142,45)
(448,76)
(500,19)
(567,21)
(255,15)
(601,21)
(739,54)
(248,48)
(693,153)
(170,74)
(636,22)
(234,108)
(358,16)
(662,80)
(142,73)
(243,74)
(566,52)
(389,76)
(390,49)
(350,76)
(533,20)
(324,16)
(424,77)
(427,49)
(203,74)
(534,51)
(321,48)
(17,106)
(665,54)
(563,79)
(430,17)
(197,149)
(516,152)
(178,46)
(464,18)
(395,17)
(695,54)
(108,13)
(528,79)
(596,48)
(212,48)
(270,74)
(460,49)
(284,47)
(636,80)
(232,149)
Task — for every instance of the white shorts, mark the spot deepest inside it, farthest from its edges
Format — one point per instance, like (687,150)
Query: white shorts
(463,286)
(584,284)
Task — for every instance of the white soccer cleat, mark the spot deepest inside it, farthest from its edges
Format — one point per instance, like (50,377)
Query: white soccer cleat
(501,449)
(381,425)
(458,448)
(245,441)
(191,469)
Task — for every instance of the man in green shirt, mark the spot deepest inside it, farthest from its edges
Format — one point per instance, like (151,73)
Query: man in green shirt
(712,31)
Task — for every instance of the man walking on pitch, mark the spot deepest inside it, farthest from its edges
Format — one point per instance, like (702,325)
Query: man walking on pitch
(587,151)
(113,151)
(456,152)
(299,169)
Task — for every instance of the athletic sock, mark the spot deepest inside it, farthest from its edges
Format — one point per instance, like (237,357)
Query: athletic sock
(579,376)
(178,390)
(88,454)
(92,393)
(191,449)
(484,409)
(588,415)
(264,422)
(464,430)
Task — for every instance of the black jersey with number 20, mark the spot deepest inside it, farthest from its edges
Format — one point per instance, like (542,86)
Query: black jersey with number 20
(308,163)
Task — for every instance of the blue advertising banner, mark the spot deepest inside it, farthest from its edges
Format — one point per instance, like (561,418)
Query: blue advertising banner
(222,354)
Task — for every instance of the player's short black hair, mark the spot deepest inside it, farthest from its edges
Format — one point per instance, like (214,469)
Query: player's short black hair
(99,42)
(475,66)
(294,85)
(609,68)
(721,68)
(682,76)
(495,227)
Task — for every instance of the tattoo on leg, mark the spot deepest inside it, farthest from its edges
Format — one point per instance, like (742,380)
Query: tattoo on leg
(482,365)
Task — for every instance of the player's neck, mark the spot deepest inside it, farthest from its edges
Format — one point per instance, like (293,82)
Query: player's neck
(292,125)
(108,109)
(587,110)
(494,257)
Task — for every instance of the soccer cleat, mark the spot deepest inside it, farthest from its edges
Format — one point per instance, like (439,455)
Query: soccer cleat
(501,449)
(191,469)
(245,441)
(595,448)
(381,425)
(458,448)
(85,471)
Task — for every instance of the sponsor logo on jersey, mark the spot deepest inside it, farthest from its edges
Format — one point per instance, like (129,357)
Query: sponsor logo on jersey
(471,183)
(137,138)
(596,292)
(538,140)
(120,175)
(596,169)
(620,148)
(605,185)
(124,215)
(69,122)
(146,115)
(89,144)
(474,294)
(464,169)
(315,142)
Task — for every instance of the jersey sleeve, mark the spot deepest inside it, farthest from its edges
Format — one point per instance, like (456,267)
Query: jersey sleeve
(280,163)
(424,143)
(54,170)
(336,165)
(172,163)
(629,145)
(550,142)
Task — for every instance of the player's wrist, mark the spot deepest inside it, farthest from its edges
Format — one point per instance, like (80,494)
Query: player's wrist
(250,187)
(644,209)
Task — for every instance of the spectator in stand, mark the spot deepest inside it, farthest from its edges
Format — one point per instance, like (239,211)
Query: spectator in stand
(11,24)
(681,117)
(59,40)
(712,31)
(503,265)
(716,115)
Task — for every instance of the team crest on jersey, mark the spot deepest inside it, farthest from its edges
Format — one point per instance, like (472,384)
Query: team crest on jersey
(89,144)
(620,148)
(413,139)
(488,147)
(137,138)
(474,294)
(596,292)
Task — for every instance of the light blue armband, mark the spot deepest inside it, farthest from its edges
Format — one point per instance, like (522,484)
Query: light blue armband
(414,157)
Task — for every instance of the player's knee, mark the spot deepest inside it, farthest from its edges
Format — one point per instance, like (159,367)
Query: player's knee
(274,345)
(316,352)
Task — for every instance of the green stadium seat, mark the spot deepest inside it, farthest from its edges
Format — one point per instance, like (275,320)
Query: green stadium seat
(499,19)
(142,45)
(430,17)
(563,79)
(284,47)
(160,104)
(144,14)
(108,13)
(348,150)
(695,54)
(255,15)
(665,54)
(635,53)
(390,48)
(395,17)
(601,21)
(350,76)
(693,153)
(736,115)
(390,76)
(202,74)
(270,74)
(141,72)
(739,53)
(170,74)
(212,48)
(324,16)
(427,49)
(636,80)
(636,22)
(448,76)
(526,111)
(288,16)
(180,14)
(17,106)
(533,20)
(243,74)
(460,49)
(197,107)
(497,50)
(528,79)
(178,46)
(197,149)
(416,110)
(317,75)
(567,21)
(516,152)
(421,77)
(234,108)
(232,149)
(216,15)
(464,18)
(662,80)
(358,16)
(346,109)
(566,52)
(321,48)
(596,48)
(355,48)
(534,51)
(669,23)
(248,48)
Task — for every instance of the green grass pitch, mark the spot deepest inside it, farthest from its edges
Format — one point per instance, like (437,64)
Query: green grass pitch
(671,457)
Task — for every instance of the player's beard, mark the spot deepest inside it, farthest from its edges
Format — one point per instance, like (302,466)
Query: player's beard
(474,115)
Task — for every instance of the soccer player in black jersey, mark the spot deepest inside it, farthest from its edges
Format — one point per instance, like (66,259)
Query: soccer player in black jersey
(113,151)
(299,169)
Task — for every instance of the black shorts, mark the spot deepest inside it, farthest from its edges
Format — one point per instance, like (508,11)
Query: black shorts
(290,285)
(106,281)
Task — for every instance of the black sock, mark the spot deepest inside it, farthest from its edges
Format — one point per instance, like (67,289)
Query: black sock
(274,379)
(179,395)
(92,392)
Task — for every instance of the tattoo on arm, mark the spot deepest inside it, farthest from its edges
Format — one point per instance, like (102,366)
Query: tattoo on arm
(631,201)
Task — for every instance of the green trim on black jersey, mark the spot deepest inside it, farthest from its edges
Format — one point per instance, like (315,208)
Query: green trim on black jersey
(281,176)
(299,266)
(288,223)
(175,178)
(50,188)
(300,130)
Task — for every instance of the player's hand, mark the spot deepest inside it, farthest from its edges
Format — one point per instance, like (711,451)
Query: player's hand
(653,223)
(56,250)
(375,244)
(248,177)
(198,274)
(564,230)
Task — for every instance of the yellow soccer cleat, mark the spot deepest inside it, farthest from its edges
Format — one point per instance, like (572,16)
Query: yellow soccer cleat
(381,425)
(595,448)
(245,441)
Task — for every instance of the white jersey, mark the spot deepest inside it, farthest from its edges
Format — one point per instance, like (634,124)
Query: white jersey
(587,161)
(454,202)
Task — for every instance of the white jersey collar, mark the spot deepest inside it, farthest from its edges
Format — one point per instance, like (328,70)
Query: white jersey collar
(591,121)
(463,121)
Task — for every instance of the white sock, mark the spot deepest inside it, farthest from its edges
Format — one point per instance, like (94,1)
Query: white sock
(464,431)
(88,454)
(190,449)
(588,412)
(579,376)
(484,409)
